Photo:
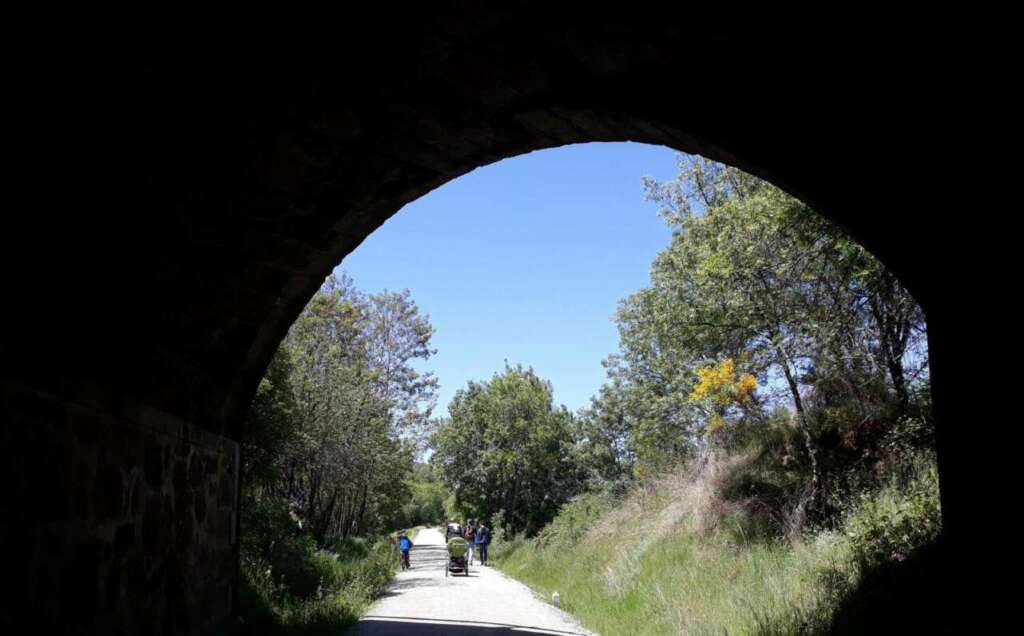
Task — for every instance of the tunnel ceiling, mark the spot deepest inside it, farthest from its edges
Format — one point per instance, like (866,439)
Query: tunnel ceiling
(251,164)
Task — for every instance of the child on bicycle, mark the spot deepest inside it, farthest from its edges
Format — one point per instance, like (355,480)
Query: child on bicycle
(404,545)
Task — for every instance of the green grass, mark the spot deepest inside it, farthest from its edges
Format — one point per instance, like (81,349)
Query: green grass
(649,565)
(680,583)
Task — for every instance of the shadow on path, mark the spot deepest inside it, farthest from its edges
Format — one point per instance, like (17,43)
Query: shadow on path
(384,626)
(425,557)
(423,601)
(425,562)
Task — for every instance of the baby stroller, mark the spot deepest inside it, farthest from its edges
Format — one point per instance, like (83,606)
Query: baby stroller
(457,561)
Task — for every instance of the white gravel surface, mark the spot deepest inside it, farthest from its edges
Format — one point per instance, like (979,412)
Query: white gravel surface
(424,602)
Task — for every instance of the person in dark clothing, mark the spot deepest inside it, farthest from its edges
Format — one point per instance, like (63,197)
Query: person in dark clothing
(483,539)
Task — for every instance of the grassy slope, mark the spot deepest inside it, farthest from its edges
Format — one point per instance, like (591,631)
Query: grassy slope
(673,558)
(671,578)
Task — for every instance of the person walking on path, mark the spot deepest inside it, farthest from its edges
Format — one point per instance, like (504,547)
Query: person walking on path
(483,539)
(471,539)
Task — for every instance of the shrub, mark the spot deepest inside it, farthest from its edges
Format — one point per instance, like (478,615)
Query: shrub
(290,585)
(502,543)
(321,592)
(574,520)
(889,571)
(891,524)
(258,594)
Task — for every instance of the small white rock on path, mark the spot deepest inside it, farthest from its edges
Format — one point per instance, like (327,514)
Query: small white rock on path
(421,601)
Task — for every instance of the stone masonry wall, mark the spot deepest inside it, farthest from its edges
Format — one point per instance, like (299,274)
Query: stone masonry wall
(116,522)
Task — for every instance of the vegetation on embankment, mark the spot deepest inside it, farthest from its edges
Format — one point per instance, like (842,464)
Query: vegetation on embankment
(328,461)
(313,590)
(785,369)
(676,555)
(292,586)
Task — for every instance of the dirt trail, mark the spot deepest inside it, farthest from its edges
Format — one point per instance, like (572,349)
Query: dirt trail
(423,602)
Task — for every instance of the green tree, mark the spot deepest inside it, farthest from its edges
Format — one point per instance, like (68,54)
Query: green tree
(397,335)
(506,448)
(337,420)
(426,503)
(602,431)
(755,276)
(270,425)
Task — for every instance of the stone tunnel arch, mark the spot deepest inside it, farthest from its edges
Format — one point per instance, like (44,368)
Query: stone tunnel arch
(261,166)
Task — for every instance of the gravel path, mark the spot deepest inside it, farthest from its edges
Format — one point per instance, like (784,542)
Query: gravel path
(423,602)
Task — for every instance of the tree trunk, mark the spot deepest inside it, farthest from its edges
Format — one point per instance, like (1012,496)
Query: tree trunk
(801,415)
(893,333)
(362,507)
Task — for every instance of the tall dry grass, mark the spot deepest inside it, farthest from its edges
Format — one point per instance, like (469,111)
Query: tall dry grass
(678,555)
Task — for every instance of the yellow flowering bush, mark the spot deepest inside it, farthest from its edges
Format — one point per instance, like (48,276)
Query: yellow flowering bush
(719,387)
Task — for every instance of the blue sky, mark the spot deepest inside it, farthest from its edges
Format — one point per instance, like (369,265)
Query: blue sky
(524,260)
